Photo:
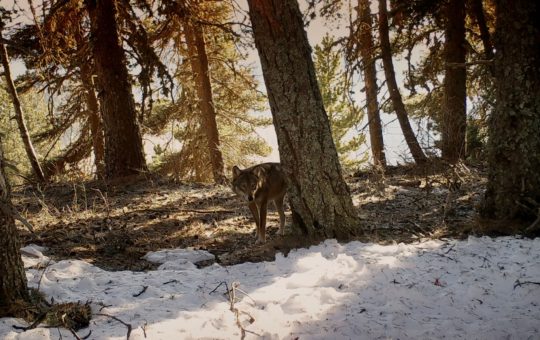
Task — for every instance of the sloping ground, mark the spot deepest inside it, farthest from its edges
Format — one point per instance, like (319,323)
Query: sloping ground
(113,225)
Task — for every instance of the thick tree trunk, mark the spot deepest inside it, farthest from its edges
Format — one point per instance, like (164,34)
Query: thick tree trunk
(370,77)
(199,66)
(13,286)
(454,122)
(19,116)
(94,118)
(320,200)
(123,143)
(513,189)
(395,96)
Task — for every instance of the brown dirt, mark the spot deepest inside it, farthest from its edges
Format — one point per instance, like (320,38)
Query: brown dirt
(114,224)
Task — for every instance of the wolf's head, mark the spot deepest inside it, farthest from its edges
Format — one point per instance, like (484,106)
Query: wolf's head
(244,183)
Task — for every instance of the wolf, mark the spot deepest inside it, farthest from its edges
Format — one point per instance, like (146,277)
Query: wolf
(258,185)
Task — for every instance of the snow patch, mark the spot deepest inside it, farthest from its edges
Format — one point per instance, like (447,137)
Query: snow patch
(178,259)
(32,256)
(480,288)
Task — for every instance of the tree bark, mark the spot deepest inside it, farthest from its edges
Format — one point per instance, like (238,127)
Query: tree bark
(454,122)
(370,78)
(19,115)
(513,189)
(94,118)
(199,66)
(123,143)
(320,199)
(13,285)
(395,96)
(478,12)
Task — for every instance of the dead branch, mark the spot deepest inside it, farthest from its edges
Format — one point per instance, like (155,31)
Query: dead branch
(470,63)
(11,211)
(43,273)
(521,283)
(232,299)
(536,224)
(128,326)
(141,292)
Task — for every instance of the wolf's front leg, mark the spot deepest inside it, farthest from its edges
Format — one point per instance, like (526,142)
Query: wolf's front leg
(262,222)
(255,212)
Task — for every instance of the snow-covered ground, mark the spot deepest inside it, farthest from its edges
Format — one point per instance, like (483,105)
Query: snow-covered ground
(481,288)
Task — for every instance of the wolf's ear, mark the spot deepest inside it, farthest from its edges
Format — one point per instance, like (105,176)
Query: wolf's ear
(236,171)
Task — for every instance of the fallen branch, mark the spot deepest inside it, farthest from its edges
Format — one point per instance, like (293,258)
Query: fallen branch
(75,334)
(34,324)
(198,211)
(11,211)
(43,273)
(232,299)
(141,292)
(536,224)
(219,285)
(521,283)
(122,322)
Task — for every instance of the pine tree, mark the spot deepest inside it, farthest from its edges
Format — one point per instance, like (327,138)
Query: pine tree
(513,189)
(395,95)
(123,142)
(320,199)
(370,78)
(342,112)
(13,285)
(19,114)
(454,120)
(234,93)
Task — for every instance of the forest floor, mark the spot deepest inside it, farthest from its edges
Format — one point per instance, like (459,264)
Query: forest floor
(112,225)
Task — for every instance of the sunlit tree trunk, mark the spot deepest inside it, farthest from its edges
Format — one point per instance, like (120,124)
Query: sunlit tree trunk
(13,286)
(19,115)
(94,117)
(370,77)
(513,189)
(454,122)
(123,143)
(199,66)
(320,199)
(395,96)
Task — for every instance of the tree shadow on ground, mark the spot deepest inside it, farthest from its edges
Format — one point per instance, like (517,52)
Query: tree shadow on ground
(114,224)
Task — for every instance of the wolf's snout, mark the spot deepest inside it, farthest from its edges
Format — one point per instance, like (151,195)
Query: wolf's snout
(250,198)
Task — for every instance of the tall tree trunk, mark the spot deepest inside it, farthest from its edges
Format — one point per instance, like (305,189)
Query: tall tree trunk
(370,76)
(513,189)
(478,13)
(454,122)
(199,66)
(19,114)
(395,96)
(123,143)
(94,117)
(13,286)
(320,199)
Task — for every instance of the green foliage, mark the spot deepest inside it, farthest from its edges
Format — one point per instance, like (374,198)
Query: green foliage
(236,100)
(342,112)
(34,108)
